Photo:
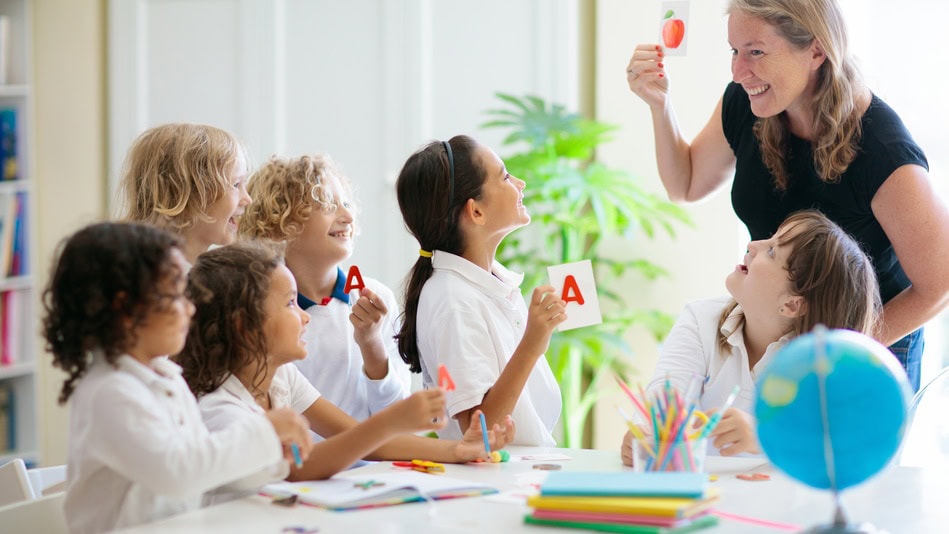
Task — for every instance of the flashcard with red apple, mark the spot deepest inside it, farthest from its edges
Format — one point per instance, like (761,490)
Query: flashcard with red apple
(673,29)
(575,284)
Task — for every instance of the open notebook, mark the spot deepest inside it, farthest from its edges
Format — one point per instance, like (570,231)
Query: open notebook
(344,492)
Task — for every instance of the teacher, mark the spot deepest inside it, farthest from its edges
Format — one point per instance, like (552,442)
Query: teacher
(799,129)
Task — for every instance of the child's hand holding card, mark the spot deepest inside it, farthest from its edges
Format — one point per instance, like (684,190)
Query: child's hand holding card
(578,290)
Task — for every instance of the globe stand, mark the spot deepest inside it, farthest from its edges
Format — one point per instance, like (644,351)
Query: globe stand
(841,525)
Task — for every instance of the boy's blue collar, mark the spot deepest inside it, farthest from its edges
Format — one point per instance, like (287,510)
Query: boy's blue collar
(337,293)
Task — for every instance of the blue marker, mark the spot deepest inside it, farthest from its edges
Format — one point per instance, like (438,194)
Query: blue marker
(296,455)
(484,433)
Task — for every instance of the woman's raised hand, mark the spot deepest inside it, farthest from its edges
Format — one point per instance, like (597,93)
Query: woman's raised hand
(646,75)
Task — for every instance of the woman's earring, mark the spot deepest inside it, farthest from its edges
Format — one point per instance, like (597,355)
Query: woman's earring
(781,309)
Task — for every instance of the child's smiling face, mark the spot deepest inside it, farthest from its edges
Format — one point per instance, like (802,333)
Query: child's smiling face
(502,195)
(285,321)
(224,212)
(165,327)
(328,233)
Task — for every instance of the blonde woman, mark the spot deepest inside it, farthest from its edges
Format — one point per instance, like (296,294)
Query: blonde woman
(799,129)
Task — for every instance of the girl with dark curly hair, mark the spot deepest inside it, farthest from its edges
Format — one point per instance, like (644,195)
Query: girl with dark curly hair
(138,451)
(246,332)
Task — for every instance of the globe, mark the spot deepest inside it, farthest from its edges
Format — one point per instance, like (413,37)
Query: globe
(832,408)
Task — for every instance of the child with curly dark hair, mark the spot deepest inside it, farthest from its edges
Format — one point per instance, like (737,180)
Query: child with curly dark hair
(246,331)
(139,451)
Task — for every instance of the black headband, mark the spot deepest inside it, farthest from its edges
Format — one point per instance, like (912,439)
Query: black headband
(451,175)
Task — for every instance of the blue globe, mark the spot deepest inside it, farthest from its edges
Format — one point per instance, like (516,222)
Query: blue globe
(832,418)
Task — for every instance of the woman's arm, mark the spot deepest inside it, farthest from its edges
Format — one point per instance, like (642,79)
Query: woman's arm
(917,223)
(689,172)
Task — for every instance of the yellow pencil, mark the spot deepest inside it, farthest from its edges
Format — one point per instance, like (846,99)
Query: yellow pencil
(637,432)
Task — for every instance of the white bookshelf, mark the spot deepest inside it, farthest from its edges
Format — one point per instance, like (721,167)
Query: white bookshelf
(18,376)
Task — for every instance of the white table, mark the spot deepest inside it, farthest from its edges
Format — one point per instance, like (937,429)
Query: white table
(901,500)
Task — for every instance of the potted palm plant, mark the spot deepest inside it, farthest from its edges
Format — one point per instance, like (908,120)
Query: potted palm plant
(578,205)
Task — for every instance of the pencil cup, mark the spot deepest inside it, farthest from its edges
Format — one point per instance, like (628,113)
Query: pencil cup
(685,455)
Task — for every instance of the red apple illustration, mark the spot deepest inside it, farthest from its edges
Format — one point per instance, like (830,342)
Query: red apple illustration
(673,30)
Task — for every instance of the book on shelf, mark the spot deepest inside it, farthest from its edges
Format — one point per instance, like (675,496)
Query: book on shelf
(10,314)
(8,145)
(12,233)
(7,419)
(347,492)
(4,48)
(18,260)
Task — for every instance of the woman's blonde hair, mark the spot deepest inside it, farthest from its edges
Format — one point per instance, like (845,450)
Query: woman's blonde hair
(173,173)
(285,193)
(827,268)
(837,112)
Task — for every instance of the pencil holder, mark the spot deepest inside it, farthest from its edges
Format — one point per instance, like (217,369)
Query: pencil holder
(686,455)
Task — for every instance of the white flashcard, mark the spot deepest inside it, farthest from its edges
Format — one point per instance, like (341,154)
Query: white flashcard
(674,26)
(574,282)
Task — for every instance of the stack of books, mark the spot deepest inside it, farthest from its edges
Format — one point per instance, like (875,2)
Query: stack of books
(625,502)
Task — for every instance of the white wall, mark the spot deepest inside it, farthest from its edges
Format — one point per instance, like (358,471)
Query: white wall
(69,158)
(700,257)
(367,81)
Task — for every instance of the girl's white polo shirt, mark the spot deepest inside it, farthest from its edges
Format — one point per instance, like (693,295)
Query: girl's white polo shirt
(471,321)
(691,350)
(232,402)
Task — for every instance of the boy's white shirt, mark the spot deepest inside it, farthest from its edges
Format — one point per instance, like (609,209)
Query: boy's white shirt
(139,451)
(691,350)
(334,363)
(232,402)
(472,320)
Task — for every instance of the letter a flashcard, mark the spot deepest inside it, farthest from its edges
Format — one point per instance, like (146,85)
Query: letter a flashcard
(575,284)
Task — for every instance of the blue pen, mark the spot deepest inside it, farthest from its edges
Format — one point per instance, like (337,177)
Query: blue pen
(484,433)
(296,455)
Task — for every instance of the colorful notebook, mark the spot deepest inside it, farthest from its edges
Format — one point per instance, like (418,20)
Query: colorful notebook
(385,489)
(626,519)
(671,507)
(625,484)
(700,523)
